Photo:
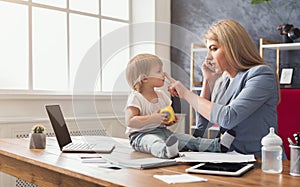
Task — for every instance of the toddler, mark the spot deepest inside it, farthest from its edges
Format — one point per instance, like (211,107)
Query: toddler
(147,128)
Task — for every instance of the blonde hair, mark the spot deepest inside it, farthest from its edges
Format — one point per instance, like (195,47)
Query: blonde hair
(240,50)
(140,66)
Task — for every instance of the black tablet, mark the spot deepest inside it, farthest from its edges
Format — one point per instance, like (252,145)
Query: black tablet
(230,169)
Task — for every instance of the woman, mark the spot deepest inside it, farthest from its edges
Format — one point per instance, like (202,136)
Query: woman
(245,100)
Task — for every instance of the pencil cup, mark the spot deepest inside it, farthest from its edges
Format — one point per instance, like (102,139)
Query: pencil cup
(295,160)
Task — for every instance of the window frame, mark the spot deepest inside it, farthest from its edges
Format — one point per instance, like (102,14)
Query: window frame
(68,11)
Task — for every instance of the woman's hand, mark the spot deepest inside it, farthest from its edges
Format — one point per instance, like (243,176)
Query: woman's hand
(176,88)
(171,89)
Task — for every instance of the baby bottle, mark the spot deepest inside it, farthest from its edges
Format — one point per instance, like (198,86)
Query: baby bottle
(271,153)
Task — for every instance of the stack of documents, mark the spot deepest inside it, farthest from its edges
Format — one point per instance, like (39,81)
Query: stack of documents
(230,157)
(145,163)
(139,163)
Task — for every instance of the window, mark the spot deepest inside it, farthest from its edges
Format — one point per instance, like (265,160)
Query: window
(49,50)
(109,9)
(64,45)
(14,69)
(84,37)
(55,3)
(113,31)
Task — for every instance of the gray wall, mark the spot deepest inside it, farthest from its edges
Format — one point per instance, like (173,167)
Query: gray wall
(197,15)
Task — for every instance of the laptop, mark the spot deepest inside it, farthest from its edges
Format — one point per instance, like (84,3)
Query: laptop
(64,139)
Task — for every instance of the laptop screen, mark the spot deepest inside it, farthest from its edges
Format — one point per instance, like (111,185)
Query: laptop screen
(59,125)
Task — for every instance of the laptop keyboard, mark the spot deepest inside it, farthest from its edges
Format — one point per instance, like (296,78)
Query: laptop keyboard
(79,146)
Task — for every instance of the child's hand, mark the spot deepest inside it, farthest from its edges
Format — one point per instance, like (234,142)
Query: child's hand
(165,122)
(157,117)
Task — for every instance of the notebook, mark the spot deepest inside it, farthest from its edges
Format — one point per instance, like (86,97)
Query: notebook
(64,139)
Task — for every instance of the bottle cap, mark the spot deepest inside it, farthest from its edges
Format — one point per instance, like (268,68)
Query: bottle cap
(271,138)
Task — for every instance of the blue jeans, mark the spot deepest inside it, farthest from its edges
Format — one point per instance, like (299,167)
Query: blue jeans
(153,142)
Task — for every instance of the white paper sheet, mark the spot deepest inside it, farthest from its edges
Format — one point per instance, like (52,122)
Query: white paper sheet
(179,178)
(93,160)
(230,157)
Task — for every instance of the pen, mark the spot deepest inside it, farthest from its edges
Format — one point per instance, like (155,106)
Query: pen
(290,141)
(297,138)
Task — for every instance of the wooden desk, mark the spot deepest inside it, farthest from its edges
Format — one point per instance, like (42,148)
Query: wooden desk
(50,167)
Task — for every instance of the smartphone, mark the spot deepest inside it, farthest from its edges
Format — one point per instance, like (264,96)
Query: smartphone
(211,67)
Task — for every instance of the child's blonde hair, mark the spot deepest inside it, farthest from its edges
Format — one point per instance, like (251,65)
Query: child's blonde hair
(139,67)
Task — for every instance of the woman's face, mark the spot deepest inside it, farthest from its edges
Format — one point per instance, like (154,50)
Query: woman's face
(216,55)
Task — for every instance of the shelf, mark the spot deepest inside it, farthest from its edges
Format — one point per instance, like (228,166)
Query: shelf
(199,50)
(196,88)
(195,85)
(282,46)
(278,47)
(269,44)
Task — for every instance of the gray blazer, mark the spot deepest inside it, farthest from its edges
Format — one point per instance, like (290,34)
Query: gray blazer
(249,107)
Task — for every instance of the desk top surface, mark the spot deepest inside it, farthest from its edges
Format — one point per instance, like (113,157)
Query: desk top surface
(67,169)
